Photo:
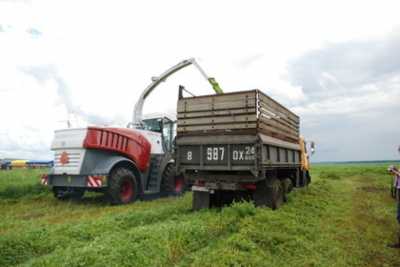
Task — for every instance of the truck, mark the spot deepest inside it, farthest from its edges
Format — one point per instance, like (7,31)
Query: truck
(124,163)
(240,145)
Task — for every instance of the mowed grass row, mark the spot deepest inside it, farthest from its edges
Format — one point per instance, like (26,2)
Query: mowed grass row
(344,218)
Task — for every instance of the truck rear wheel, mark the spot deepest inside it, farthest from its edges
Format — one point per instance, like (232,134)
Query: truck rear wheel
(269,193)
(222,198)
(305,178)
(65,193)
(308,178)
(287,186)
(172,184)
(123,186)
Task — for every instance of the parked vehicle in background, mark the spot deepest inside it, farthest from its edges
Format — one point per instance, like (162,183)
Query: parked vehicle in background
(5,164)
(10,164)
(18,163)
(34,164)
(239,145)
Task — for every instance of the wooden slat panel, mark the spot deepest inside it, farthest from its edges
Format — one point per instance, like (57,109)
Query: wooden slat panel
(283,122)
(277,131)
(267,99)
(217,127)
(279,127)
(272,104)
(268,140)
(267,111)
(228,112)
(227,97)
(220,132)
(271,132)
(186,107)
(217,120)
(249,111)
(280,121)
(217,102)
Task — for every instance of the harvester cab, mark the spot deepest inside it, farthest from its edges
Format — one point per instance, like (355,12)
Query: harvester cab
(164,127)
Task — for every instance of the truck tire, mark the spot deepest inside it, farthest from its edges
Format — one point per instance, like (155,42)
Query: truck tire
(123,187)
(171,184)
(305,178)
(287,186)
(218,199)
(269,193)
(222,198)
(308,178)
(276,193)
(66,193)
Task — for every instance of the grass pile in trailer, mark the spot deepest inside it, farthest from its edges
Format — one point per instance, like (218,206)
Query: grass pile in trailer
(345,218)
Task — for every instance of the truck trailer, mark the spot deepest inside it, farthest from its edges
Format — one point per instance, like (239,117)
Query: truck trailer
(241,145)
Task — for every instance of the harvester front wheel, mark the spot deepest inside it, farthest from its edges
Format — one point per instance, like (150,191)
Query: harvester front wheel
(123,186)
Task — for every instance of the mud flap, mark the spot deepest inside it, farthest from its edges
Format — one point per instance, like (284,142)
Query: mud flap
(260,197)
(201,200)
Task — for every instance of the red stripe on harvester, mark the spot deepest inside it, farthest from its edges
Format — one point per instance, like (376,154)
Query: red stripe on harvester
(94,184)
(94,181)
(90,181)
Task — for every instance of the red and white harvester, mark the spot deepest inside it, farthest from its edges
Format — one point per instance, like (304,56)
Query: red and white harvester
(124,163)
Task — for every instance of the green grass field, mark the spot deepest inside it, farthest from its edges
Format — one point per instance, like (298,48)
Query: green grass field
(344,218)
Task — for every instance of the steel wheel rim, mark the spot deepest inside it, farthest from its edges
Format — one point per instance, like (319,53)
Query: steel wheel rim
(178,184)
(126,190)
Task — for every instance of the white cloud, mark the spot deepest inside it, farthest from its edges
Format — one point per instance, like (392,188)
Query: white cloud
(106,52)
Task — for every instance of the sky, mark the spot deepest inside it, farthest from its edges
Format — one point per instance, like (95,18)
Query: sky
(334,63)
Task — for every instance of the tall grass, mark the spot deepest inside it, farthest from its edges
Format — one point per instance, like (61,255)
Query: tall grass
(344,218)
